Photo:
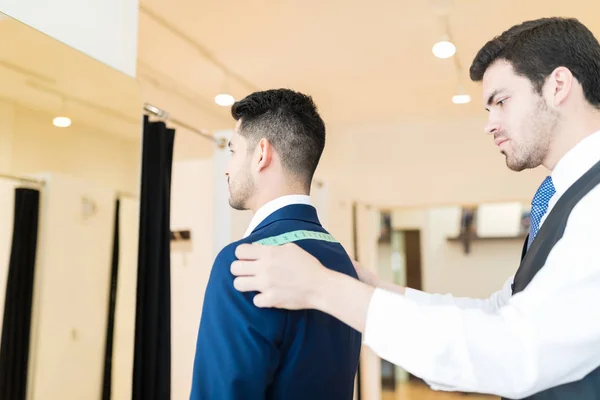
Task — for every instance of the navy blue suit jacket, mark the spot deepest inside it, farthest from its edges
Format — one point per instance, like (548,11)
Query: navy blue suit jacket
(246,352)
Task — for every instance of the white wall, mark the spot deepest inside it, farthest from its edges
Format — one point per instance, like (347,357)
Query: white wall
(7,121)
(445,267)
(124,328)
(409,164)
(106,30)
(71,290)
(480,273)
(334,208)
(191,208)
(29,143)
(384,262)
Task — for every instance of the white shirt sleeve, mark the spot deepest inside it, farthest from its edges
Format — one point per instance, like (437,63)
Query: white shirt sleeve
(491,304)
(544,336)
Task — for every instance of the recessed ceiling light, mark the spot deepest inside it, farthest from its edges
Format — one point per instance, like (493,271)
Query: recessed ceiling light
(461,99)
(61,122)
(443,49)
(224,99)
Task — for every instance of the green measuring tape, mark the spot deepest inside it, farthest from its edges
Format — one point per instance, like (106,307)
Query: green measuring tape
(296,236)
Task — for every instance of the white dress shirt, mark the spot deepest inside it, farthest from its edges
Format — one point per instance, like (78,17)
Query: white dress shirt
(511,346)
(274,205)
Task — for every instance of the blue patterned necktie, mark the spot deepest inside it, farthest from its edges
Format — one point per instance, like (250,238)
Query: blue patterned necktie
(539,205)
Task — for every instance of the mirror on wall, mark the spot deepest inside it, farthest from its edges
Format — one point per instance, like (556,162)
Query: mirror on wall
(70,150)
(65,112)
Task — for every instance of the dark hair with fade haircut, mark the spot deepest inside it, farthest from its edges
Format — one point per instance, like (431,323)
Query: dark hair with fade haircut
(291,123)
(535,48)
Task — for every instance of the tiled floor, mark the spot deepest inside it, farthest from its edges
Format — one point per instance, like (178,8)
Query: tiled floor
(417,391)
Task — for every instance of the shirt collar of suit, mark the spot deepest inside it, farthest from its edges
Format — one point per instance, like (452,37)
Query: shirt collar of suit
(576,162)
(275,205)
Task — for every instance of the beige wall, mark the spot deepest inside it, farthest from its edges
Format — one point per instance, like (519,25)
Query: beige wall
(191,263)
(31,144)
(71,290)
(7,123)
(334,208)
(445,267)
(409,164)
(124,329)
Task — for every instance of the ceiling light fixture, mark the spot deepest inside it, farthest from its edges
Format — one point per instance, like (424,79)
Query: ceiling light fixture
(61,122)
(224,100)
(443,49)
(461,99)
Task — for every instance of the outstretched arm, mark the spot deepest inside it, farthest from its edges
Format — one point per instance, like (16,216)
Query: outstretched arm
(511,352)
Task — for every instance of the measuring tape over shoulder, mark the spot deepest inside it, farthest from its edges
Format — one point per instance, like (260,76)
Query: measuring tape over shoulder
(295,236)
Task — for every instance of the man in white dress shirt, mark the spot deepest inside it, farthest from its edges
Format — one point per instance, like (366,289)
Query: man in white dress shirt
(539,336)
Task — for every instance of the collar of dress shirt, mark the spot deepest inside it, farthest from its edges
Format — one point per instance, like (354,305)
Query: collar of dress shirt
(274,205)
(576,162)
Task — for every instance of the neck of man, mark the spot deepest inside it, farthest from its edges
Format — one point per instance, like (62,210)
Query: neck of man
(572,131)
(278,189)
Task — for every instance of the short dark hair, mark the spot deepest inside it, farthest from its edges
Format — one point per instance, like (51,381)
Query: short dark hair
(535,48)
(291,123)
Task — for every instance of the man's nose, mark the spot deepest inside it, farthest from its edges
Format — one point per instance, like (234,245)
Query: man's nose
(492,127)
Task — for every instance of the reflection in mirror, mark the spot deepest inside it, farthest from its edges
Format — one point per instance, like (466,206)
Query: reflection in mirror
(42,81)
(69,160)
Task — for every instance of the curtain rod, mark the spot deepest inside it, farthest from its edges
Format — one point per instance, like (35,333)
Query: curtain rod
(162,114)
(22,179)
(127,195)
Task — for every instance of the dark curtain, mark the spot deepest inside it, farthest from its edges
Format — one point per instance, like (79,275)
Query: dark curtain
(16,328)
(112,300)
(152,358)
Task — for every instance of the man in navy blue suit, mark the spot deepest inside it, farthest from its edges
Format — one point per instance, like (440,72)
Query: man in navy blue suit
(246,352)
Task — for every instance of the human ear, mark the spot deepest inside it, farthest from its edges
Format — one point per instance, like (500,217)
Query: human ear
(265,151)
(561,80)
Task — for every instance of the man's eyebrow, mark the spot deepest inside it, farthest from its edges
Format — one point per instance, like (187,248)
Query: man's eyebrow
(493,95)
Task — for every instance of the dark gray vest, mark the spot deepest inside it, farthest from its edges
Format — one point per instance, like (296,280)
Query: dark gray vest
(533,260)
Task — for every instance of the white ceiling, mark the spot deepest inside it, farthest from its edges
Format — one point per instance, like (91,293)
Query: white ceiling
(364,62)
(41,73)
(394,135)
